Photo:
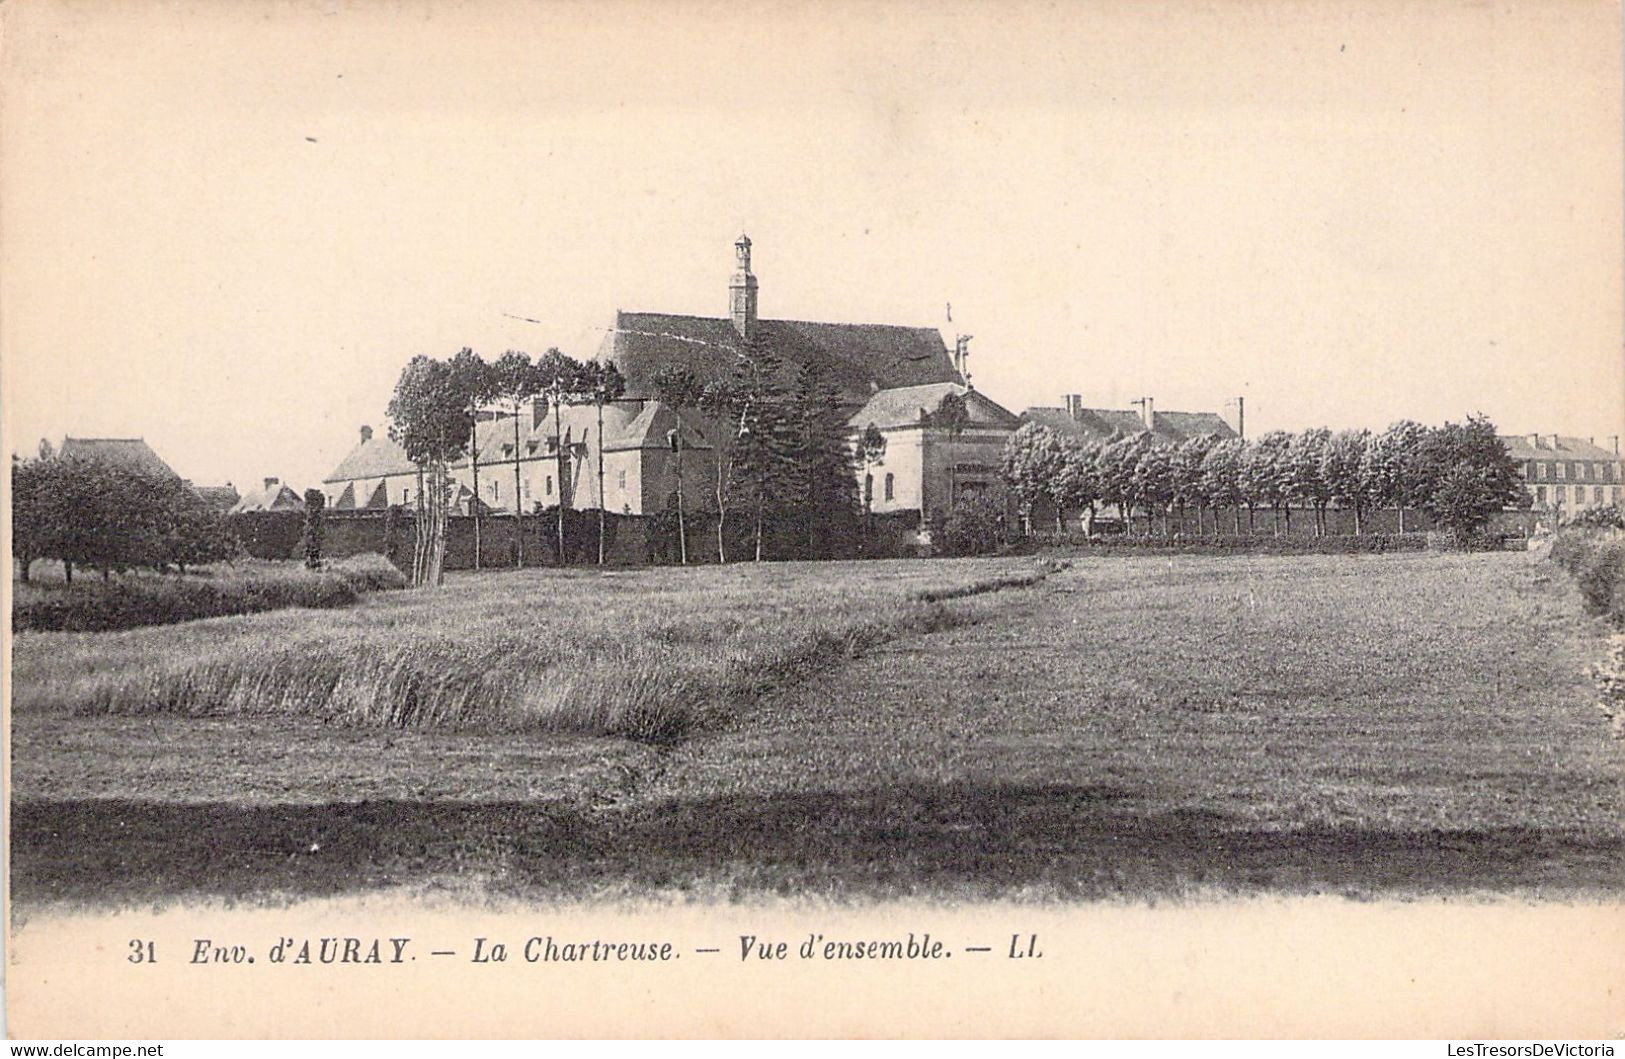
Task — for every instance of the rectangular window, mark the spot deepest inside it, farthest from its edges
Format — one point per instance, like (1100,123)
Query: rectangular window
(550,485)
(891,487)
(1562,470)
(621,478)
(1596,494)
(1540,472)
(524,485)
(1540,494)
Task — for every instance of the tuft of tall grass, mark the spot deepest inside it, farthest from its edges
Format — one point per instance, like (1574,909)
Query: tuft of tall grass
(368,572)
(89,605)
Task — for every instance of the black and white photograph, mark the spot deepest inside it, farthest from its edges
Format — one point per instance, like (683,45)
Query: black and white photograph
(819,519)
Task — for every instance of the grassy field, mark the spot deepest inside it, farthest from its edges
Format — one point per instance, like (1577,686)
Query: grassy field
(1126,728)
(645,655)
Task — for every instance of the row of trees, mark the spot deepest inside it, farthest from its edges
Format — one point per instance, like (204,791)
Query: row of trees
(1459,473)
(434,416)
(779,452)
(88,513)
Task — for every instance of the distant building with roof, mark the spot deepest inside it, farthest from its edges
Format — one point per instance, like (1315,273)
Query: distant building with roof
(1565,475)
(1105,424)
(136,456)
(556,456)
(220,497)
(858,359)
(129,454)
(924,460)
(273,497)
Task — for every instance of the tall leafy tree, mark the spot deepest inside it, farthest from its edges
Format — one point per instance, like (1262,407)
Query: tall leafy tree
(516,384)
(1221,479)
(1265,477)
(1188,488)
(765,431)
(819,463)
(603,383)
(430,419)
(1032,465)
(1304,467)
(565,380)
(33,515)
(478,384)
(1152,479)
(1077,482)
(1394,466)
(680,389)
(192,532)
(1114,465)
(1463,475)
(88,513)
(1344,467)
(721,405)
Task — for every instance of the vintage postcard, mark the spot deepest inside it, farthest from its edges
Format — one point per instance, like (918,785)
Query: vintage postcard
(900,519)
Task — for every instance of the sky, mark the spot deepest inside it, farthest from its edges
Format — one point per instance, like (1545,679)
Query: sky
(226,227)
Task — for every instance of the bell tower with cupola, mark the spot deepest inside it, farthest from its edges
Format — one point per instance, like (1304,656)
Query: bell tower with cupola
(742,290)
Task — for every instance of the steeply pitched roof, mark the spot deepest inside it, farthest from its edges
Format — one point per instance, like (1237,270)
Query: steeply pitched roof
(857,357)
(276,497)
(1520,447)
(1099,424)
(224,497)
(374,458)
(130,454)
(907,405)
(628,424)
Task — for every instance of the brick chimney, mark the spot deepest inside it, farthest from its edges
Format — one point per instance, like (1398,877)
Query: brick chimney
(1615,440)
(1554,441)
(1147,414)
(1074,406)
(269,482)
(742,290)
(1534,441)
(366,434)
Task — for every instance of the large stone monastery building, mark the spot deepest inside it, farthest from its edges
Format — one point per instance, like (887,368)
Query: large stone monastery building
(890,375)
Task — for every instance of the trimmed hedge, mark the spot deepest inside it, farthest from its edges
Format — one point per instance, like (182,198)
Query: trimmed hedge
(132,602)
(1596,560)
